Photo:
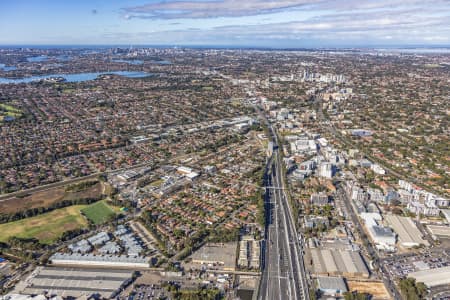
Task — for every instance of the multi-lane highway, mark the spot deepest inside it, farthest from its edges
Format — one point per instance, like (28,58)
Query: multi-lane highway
(284,273)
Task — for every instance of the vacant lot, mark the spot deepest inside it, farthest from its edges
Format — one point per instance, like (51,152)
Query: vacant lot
(46,227)
(99,212)
(376,289)
(47,198)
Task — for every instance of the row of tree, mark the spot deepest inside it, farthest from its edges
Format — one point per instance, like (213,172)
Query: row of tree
(31,212)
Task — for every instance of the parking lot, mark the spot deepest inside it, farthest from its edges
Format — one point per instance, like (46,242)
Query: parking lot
(149,292)
(401,266)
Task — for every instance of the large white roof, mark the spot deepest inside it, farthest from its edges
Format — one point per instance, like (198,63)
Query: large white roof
(433,277)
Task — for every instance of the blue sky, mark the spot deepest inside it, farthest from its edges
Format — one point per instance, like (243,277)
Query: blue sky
(262,23)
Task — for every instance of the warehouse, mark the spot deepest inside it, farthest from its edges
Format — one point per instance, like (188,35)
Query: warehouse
(408,233)
(338,262)
(433,277)
(99,260)
(331,286)
(76,282)
(439,231)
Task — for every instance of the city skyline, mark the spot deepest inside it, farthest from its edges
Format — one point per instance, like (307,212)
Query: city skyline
(272,24)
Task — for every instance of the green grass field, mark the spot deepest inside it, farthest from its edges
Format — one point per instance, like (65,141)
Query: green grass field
(9,108)
(98,212)
(46,227)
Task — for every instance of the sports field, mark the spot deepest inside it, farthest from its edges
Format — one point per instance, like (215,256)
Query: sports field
(99,212)
(46,227)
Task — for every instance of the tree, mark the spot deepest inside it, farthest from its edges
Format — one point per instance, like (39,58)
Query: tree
(356,296)
(412,290)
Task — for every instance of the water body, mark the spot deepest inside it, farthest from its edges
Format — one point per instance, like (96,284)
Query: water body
(7,68)
(140,62)
(129,61)
(78,77)
(64,57)
(416,50)
(40,58)
(161,62)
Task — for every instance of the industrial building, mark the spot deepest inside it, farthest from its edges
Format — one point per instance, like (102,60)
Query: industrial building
(12,296)
(326,170)
(331,286)
(75,282)
(338,263)
(408,233)
(439,231)
(217,254)
(118,261)
(432,277)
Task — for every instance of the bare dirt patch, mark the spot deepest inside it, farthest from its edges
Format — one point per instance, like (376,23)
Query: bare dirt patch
(376,289)
(37,199)
(47,198)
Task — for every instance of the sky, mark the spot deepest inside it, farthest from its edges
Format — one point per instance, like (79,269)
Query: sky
(246,23)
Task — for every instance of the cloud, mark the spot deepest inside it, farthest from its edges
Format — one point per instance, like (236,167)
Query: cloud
(326,21)
(211,8)
(204,9)
(366,27)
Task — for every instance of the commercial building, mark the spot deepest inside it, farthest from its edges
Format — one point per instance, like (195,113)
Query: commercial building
(383,237)
(127,176)
(76,282)
(188,172)
(408,233)
(326,170)
(303,146)
(338,263)
(139,139)
(433,277)
(378,169)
